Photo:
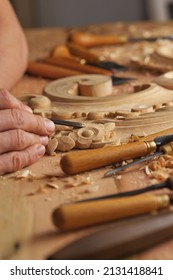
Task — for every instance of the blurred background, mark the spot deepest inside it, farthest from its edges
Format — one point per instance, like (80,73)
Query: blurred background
(55,13)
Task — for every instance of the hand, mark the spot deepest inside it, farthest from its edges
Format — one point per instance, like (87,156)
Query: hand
(23,136)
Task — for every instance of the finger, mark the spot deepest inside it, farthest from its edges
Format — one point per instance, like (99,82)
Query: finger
(13,161)
(17,139)
(8,101)
(15,118)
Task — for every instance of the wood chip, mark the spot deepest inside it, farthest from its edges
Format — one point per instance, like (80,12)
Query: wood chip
(53,185)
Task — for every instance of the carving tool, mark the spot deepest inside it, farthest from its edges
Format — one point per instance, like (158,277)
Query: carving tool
(84,214)
(168,184)
(94,59)
(55,72)
(68,123)
(50,71)
(90,40)
(119,239)
(79,161)
(165,149)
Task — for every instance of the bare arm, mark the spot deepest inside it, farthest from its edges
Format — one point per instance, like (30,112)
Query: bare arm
(13,47)
(23,136)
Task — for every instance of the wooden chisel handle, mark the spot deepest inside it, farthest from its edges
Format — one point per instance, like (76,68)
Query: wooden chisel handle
(84,214)
(119,240)
(50,71)
(69,64)
(81,52)
(90,40)
(62,51)
(79,161)
(84,160)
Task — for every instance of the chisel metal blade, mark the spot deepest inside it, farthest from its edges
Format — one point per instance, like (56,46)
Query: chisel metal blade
(160,141)
(68,123)
(168,184)
(115,171)
(150,39)
(109,65)
(121,80)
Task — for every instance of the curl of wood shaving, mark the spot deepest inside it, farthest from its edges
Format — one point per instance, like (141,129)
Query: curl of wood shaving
(53,185)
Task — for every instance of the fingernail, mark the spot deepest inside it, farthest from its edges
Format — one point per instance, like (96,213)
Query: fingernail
(40,150)
(27,108)
(50,126)
(44,140)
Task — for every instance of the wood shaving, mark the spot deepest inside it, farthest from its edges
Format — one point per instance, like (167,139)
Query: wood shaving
(53,185)
(154,165)
(147,170)
(24,174)
(83,179)
(70,185)
(169,163)
(160,175)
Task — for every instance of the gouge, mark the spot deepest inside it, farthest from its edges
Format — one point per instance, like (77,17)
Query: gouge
(55,72)
(94,59)
(90,40)
(83,214)
(85,160)
(119,239)
(165,149)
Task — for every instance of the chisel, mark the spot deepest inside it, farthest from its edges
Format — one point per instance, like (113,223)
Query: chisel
(85,160)
(43,69)
(119,239)
(94,59)
(165,149)
(84,214)
(90,40)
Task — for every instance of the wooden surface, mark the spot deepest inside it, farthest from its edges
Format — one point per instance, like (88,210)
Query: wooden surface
(26,206)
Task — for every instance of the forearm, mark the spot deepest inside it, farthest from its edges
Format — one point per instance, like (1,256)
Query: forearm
(13,47)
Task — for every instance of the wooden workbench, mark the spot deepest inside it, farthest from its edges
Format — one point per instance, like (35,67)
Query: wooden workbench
(26,228)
